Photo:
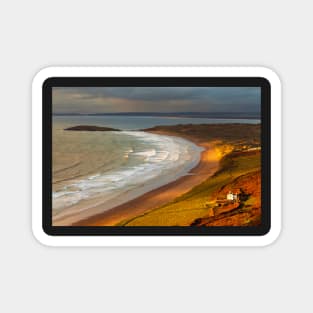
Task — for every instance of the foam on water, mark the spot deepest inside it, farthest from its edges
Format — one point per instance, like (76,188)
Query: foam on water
(162,159)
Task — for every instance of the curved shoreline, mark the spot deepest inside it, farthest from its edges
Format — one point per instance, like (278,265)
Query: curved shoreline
(208,165)
(88,208)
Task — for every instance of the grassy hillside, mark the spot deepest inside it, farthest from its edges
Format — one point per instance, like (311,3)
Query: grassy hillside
(238,135)
(239,170)
(199,206)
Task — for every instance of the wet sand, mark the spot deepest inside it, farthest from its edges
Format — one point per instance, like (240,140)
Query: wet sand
(207,166)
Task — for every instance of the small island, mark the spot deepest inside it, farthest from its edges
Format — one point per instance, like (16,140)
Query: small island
(91,128)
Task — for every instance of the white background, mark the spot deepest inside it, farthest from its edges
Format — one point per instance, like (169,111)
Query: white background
(35,34)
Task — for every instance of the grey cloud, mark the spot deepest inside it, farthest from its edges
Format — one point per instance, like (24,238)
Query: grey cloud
(161,99)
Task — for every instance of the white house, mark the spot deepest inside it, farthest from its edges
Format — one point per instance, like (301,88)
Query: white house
(232,196)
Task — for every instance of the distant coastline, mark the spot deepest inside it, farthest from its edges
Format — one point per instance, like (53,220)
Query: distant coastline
(214,115)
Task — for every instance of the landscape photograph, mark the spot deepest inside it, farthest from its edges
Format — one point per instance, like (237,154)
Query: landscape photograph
(156,156)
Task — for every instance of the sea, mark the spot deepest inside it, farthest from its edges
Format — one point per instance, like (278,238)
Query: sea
(92,168)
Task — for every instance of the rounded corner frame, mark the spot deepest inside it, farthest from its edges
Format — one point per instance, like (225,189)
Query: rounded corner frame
(158,241)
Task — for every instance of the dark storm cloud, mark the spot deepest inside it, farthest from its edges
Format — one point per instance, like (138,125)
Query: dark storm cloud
(156,99)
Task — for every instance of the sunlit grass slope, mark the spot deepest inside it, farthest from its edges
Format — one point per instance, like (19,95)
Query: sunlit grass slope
(238,144)
(195,204)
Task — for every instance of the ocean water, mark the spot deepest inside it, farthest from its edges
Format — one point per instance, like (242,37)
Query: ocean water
(110,166)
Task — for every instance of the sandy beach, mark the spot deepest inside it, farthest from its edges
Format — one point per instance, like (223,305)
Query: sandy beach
(207,166)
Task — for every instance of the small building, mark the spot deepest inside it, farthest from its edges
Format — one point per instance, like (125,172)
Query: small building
(232,196)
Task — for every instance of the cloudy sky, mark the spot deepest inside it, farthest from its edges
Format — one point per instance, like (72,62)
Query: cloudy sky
(155,99)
